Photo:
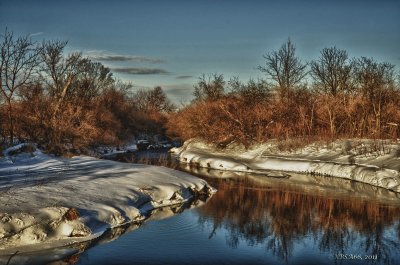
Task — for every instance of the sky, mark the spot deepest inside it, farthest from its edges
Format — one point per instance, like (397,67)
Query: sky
(171,43)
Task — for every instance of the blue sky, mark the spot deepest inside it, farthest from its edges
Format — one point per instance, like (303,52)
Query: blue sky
(171,43)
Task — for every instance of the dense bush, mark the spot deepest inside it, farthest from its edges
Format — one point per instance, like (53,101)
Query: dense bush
(242,115)
(68,102)
(347,98)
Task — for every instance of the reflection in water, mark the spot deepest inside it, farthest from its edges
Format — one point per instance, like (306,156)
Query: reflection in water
(266,211)
(71,254)
(254,219)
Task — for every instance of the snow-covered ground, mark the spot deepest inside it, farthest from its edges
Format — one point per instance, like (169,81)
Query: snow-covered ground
(47,201)
(372,162)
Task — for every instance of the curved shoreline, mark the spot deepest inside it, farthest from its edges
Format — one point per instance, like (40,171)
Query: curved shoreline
(48,201)
(313,159)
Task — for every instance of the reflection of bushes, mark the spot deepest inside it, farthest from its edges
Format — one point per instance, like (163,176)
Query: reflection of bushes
(277,218)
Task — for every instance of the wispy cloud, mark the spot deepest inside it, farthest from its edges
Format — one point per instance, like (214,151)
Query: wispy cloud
(140,71)
(35,34)
(112,57)
(184,77)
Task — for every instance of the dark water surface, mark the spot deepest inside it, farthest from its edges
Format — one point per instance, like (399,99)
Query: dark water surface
(254,219)
(263,220)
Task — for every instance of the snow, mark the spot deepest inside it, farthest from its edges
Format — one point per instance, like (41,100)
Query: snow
(38,191)
(367,161)
(114,150)
(311,184)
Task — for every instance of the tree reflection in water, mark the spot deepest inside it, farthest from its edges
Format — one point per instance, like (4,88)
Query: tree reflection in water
(279,216)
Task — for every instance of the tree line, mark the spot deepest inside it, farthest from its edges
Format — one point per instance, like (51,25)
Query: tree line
(331,97)
(67,103)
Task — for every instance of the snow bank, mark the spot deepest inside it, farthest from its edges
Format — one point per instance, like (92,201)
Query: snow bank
(56,201)
(311,184)
(354,160)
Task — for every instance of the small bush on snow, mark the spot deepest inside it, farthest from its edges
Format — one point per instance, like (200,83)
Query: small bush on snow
(26,148)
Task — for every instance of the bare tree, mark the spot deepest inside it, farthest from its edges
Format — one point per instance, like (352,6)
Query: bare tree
(72,84)
(93,78)
(284,67)
(375,81)
(209,87)
(253,92)
(332,71)
(18,61)
(73,75)
(332,74)
(59,71)
(154,100)
(159,101)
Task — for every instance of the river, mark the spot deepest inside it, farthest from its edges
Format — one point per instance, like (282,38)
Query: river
(254,219)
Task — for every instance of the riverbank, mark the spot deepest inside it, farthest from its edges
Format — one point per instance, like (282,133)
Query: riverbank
(48,201)
(369,161)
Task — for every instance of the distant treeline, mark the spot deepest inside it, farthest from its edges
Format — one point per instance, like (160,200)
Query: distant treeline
(328,98)
(70,103)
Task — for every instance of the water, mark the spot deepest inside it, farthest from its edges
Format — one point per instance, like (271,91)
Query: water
(182,239)
(254,219)
(258,220)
